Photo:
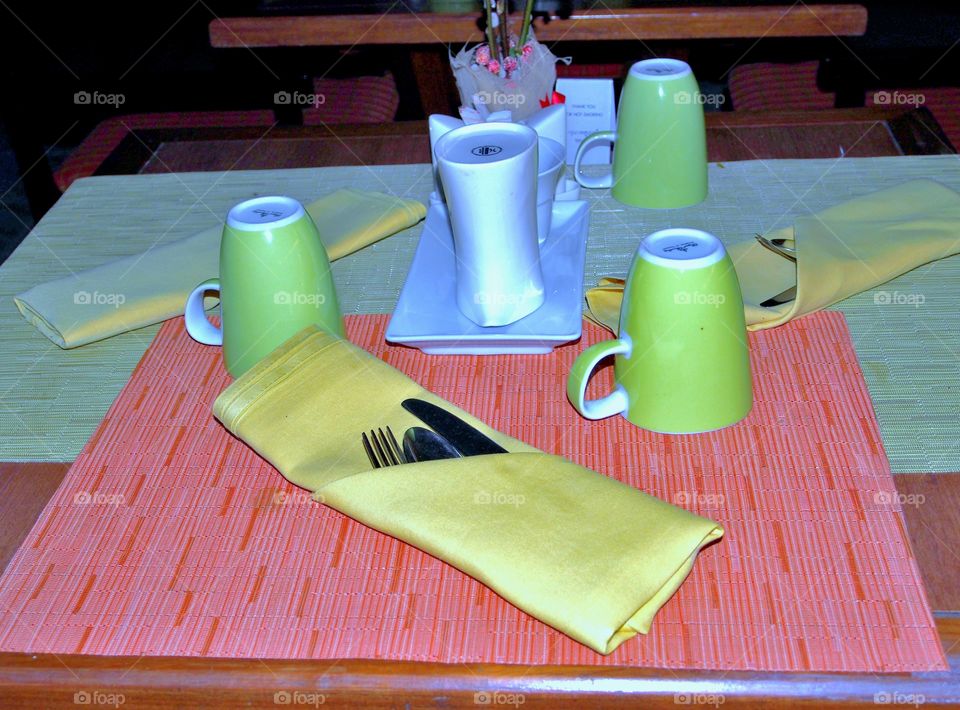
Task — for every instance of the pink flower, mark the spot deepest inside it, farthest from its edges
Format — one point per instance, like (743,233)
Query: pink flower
(510,64)
(494,66)
(482,55)
(527,50)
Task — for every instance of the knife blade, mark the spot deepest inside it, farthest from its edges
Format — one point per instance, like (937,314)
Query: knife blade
(466,438)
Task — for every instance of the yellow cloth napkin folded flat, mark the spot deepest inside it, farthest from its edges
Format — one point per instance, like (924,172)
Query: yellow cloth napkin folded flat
(584,553)
(147,288)
(846,249)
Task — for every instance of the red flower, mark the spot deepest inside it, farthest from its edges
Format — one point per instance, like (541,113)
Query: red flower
(494,66)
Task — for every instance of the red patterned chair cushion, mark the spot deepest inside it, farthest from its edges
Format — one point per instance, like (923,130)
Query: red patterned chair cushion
(366,99)
(758,87)
(780,87)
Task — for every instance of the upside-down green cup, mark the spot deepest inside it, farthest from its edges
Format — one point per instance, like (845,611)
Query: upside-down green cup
(681,360)
(275,280)
(660,145)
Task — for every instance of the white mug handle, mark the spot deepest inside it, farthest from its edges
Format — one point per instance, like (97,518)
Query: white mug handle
(605,180)
(199,328)
(617,402)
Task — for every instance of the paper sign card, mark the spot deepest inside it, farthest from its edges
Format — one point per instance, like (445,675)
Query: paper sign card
(590,108)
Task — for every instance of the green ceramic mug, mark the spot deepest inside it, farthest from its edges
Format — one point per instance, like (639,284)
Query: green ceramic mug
(681,360)
(660,145)
(274,281)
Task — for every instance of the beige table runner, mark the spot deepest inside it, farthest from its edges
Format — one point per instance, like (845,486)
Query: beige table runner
(907,332)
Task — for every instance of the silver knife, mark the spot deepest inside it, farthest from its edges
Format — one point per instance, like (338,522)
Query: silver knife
(468,440)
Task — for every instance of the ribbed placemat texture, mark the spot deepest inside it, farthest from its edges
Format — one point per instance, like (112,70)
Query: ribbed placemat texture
(907,333)
(170,537)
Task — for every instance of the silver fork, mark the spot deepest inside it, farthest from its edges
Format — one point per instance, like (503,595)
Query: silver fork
(382,448)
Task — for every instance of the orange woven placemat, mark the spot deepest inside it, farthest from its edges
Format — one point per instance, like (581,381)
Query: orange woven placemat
(169,537)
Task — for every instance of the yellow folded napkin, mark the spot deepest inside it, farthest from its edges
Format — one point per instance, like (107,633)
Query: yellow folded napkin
(584,553)
(146,288)
(846,249)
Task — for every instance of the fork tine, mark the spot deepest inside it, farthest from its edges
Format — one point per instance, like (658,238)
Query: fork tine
(388,452)
(369,449)
(392,438)
(378,450)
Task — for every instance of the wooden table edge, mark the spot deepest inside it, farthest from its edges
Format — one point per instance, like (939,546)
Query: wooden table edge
(657,23)
(54,679)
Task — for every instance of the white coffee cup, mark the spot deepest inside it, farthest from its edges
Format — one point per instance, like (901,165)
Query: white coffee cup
(489,175)
(552,161)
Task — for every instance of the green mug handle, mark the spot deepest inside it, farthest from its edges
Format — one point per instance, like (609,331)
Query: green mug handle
(605,180)
(614,403)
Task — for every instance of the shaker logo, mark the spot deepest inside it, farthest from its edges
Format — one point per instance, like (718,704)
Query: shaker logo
(485,150)
(263,214)
(682,247)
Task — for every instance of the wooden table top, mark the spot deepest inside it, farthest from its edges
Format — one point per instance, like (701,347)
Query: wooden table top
(28,680)
(602,21)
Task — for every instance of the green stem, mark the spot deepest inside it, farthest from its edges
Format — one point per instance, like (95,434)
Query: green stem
(525,30)
(491,38)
